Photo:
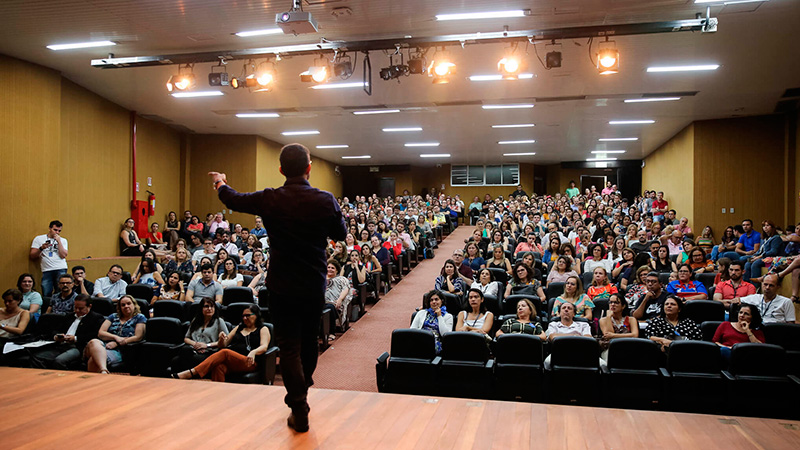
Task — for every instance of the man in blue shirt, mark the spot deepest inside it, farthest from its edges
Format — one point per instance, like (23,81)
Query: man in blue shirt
(259,230)
(748,244)
(299,219)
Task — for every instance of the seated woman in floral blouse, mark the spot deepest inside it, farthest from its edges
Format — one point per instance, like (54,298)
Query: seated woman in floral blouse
(524,323)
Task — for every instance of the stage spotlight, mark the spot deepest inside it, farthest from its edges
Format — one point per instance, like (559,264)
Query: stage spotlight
(181,82)
(236,83)
(394,70)
(417,63)
(553,57)
(343,67)
(608,58)
(441,68)
(264,77)
(318,73)
(218,79)
(510,65)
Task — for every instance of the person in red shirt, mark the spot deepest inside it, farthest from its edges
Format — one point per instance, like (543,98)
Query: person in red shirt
(660,206)
(731,290)
(745,329)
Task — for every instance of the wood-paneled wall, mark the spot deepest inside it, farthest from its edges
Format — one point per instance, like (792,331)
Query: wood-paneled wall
(739,163)
(671,169)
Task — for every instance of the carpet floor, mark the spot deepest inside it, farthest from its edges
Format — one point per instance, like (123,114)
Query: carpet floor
(349,364)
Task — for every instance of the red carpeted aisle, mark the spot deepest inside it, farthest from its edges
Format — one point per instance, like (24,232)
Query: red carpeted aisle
(350,363)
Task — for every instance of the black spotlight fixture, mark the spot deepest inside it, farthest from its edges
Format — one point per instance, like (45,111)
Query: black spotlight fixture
(553,57)
(417,63)
(218,79)
(394,71)
(343,67)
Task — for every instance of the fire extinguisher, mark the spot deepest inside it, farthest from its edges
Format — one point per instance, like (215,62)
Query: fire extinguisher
(151,204)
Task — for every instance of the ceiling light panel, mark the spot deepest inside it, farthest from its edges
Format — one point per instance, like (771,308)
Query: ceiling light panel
(402,130)
(376,111)
(499,77)
(422,144)
(631,122)
(695,68)
(260,32)
(76,45)
(601,159)
(524,141)
(519,154)
(357,157)
(515,125)
(257,115)
(652,99)
(618,139)
(197,94)
(510,106)
(484,15)
(435,155)
(300,133)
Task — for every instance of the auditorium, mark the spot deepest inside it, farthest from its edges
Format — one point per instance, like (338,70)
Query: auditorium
(400,224)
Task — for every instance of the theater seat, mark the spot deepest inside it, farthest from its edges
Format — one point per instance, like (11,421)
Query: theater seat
(170,308)
(760,369)
(787,335)
(634,378)
(47,324)
(499,275)
(518,367)
(410,365)
(233,312)
(708,328)
(103,305)
(509,305)
(266,365)
(703,310)
(466,369)
(237,294)
(140,290)
(575,371)
(554,289)
(163,337)
(695,381)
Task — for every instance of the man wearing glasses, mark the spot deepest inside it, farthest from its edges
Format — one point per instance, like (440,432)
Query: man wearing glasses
(111,286)
(652,304)
(299,219)
(63,301)
(207,251)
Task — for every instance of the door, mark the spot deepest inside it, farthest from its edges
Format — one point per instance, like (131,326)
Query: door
(587,181)
(386,187)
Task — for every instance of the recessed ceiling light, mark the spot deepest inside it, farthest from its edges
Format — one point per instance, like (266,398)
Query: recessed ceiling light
(618,139)
(422,144)
(484,15)
(683,68)
(519,154)
(376,111)
(511,106)
(435,155)
(257,115)
(340,85)
(299,133)
(601,159)
(396,130)
(652,99)
(524,141)
(334,146)
(608,151)
(259,32)
(630,122)
(80,45)
(197,94)
(515,125)
(357,157)
(729,2)
(498,77)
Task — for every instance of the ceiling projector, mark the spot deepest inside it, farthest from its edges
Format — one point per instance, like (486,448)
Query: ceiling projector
(296,22)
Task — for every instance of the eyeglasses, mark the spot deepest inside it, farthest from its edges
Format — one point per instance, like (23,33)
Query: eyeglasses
(116,273)
(64,282)
(208,306)
(245,316)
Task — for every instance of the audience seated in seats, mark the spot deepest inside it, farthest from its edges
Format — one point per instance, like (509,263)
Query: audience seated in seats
(523,282)
(448,280)
(148,275)
(381,253)
(748,243)
(637,289)
(13,319)
(601,287)
(202,337)
(219,265)
(434,317)
(745,329)
(568,250)
(525,322)
(641,244)
(553,249)
(561,270)
(370,261)
(121,328)
(72,334)
(734,288)
(465,272)
(566,326)
(150,254)
(473,257)
(172,228)
(774,308)
(196,244)
(355,271)
(573,293)
(486,283)
(195,226)
(722,270)
(199,273)
(257,264)
(31,300)
(112,285)
(81,284)
(218,223)
(705,241)
(224,237)
(617,324)
(207,251)
(171,290)
(670,327)
(182,264)
(338,291)
(770,248)
(130,244)
(475,318)
(652,304)
(596,258)
(259,231)
(499,260)
(63,301)
(238,350)
(624,267)
(615,252)
(685,287)
(662,262)
(698,262)
(230,274)
(727,243)
(205,286)
(528,244)
(154,237)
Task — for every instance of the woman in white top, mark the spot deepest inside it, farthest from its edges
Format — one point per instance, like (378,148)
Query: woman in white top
(597,259)
(434,317)
(230,275)
(476,318)
(13,319)
(561,271)
(615,252)
(486,283)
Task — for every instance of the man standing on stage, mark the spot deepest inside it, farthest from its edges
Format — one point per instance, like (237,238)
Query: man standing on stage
(298,219)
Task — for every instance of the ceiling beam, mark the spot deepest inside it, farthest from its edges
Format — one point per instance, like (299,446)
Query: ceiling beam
(597,31)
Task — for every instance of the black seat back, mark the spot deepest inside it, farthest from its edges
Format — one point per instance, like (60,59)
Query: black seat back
(518,349)
(140,290)
(169,308)
(453,303)
(708,328)
(48,324)
(509,305)
(575,351)
(763,360)
(499,275)
(247,280)
(707,279)
(144,306)
(233,312)
(694,357)
(586,279)
(164,330)
(600,308)
(413,343)
(103,306)
(787,335)
(464,346)
(703,310)
(237,294)
(633,354)
(492,304)
(554,289)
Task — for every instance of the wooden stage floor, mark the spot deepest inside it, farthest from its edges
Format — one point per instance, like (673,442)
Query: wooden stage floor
(45,409)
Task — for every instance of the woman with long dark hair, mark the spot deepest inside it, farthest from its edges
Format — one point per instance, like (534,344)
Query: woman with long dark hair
(202,337)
